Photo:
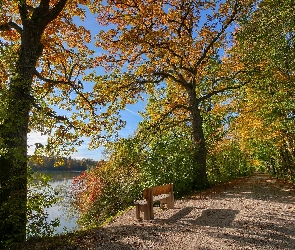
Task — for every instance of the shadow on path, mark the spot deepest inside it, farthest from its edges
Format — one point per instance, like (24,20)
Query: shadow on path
(216,218)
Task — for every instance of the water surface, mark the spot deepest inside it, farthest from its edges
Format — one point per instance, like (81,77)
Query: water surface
(61,182)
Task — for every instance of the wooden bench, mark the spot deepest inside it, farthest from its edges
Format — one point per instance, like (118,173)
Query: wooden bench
(163,193)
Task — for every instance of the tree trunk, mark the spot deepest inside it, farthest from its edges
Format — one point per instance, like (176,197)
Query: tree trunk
(198,139)
(13,141)
(13,171)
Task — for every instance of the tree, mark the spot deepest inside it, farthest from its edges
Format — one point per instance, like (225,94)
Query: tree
(44,55)
(265,125)
(173,50)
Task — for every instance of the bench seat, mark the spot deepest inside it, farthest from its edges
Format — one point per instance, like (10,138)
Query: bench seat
(163,193)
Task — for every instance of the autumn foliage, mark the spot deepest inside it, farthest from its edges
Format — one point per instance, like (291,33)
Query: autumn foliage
(217,78)
(228,73)
(176,52)
(104,191)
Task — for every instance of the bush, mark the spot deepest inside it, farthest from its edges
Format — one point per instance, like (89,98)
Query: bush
(104,191)
(40,196)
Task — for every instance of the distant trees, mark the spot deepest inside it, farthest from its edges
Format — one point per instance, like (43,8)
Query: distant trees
(66,164)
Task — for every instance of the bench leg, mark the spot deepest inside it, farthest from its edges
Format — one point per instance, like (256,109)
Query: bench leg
(162,204)
(152,213)
(138,211)
(170,202)
(149,214)
(146,213)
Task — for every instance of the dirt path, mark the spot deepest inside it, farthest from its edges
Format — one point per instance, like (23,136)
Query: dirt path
(250,213)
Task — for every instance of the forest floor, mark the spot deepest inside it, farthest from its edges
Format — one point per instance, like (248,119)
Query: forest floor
(256,212)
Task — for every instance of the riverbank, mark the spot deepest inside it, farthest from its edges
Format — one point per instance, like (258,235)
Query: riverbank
(257,212)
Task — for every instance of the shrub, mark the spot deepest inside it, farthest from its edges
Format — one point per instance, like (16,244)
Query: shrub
(40,196)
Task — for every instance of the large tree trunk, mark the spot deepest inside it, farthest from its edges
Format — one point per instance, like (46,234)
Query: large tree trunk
(13,170)
(13,139)
(198,139)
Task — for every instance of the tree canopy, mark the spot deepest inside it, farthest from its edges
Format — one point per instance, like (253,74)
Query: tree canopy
(243,91)
(177,53)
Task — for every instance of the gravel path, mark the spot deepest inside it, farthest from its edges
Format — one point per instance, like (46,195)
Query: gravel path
(249,213)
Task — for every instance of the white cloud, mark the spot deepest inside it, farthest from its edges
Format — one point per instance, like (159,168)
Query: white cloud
(83,151)
(35,137)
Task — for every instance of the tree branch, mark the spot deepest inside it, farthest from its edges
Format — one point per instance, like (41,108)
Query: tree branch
(43,15)
(219,34)
(23,11)
(215,92)
(165,115)
(53,114)
(10,25)
(184,18)
(156,81)
(75,88)
(168,75)
(53,13)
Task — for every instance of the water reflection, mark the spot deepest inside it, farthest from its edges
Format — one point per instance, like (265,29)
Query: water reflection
(61,182)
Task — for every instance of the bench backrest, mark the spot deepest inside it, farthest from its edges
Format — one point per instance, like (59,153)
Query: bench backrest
(164,189)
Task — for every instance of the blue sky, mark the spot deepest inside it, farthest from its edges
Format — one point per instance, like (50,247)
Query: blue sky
(130,114)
